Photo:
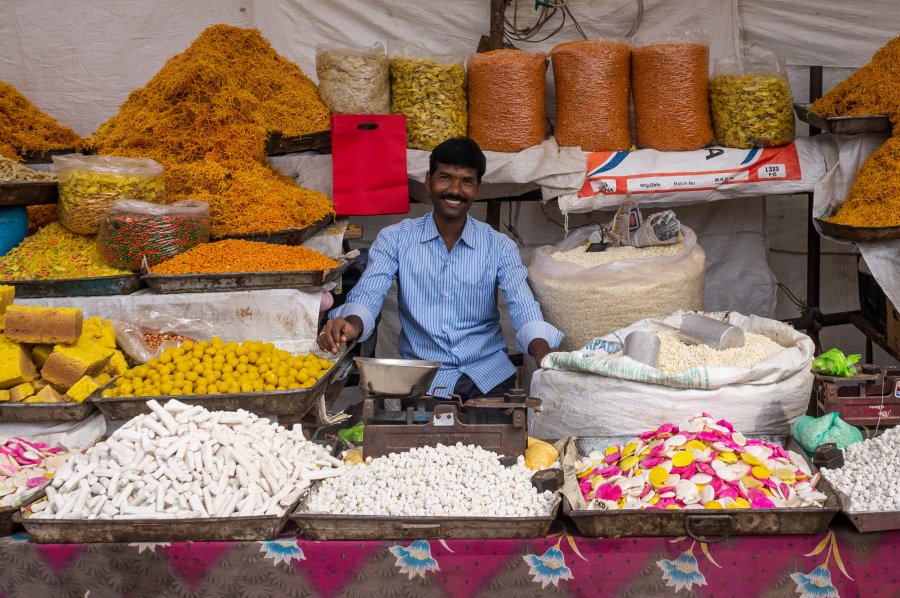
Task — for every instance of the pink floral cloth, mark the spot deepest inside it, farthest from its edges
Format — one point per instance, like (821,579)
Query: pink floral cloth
(840,562)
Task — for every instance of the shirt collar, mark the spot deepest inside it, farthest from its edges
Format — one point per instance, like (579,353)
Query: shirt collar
(430,231)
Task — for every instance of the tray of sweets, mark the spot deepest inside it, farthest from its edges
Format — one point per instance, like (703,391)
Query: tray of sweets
(296,402)
(243,281)
(709,525)
(121,284)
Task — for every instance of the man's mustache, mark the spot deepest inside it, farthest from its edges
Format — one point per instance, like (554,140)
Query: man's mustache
(453,198)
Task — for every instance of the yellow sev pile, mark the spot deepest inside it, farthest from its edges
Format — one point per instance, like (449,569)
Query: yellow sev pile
(235,255)
(874,198)
(205,116)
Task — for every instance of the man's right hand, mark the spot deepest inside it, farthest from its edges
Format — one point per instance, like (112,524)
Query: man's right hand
(339,331)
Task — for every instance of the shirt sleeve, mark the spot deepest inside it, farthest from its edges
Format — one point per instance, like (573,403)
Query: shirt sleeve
(367,296)
(524,310)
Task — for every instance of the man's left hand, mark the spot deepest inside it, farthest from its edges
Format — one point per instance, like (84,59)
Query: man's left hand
(539,348)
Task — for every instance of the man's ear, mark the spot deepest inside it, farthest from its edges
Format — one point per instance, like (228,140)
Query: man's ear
(428,180)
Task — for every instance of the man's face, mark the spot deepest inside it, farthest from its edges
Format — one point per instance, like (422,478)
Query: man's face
(452,189)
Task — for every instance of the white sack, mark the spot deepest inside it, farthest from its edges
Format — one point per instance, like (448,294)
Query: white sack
(621,396)
(585,303)
(668,179)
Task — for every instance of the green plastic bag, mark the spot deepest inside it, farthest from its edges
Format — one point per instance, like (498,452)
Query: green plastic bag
(353,436)
(833,362)
(811,432)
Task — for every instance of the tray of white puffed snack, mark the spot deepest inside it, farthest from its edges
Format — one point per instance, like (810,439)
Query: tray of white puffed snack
(458,491)
(868,493)
(181,473)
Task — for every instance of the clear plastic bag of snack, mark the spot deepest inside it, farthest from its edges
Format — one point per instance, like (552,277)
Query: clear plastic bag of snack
(506,90)
(89,184)
(354,81)
(751,101)
(593,89)
(134,229)
(670,87)
(144,335)
(430,90)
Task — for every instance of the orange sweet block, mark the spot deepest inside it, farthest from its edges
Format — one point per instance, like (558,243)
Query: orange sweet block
(43,325)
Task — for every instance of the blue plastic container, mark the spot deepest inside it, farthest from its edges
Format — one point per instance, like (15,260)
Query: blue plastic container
(13,227)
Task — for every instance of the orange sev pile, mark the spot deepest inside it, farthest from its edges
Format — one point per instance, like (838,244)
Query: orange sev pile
(874,198)
(235,255)
(873,89)
(23,126)
(205,116)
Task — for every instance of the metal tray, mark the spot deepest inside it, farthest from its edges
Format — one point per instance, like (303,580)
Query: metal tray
(242,281)
(122,284)
(275,402)
(874,521)
(7,526)
(843,125)
(278,144)
(858,233)
(707,526)
(28,193)
(325,526)
(44,412)
(291,236)
(212,529)
(46,156)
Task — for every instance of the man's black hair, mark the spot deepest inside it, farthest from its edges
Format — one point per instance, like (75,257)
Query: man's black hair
(458,151)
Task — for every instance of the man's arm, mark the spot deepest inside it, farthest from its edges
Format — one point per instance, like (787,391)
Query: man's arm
(533,334)
(356,318)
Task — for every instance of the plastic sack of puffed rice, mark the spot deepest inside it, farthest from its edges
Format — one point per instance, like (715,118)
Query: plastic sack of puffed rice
(589,294)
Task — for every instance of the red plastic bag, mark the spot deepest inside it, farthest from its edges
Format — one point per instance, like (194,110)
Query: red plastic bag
(369,164)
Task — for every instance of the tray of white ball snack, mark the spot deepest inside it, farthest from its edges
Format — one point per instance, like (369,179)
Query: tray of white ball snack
(867,483)
(295,402)
(699,478)
(457,491)
(181,473)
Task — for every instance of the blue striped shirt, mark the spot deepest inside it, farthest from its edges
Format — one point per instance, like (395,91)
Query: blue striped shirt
(447,302)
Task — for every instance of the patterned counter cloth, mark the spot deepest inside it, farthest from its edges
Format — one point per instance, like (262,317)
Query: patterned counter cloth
(840,562)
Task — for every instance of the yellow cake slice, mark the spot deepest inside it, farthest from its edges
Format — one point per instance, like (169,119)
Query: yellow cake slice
(43,325)
(69,363)
(16,366)
(81,389)
(7,294)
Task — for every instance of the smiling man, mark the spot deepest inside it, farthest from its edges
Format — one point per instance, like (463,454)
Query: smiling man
(448,266)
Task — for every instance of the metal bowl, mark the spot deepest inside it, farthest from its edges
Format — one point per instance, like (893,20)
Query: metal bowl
(395,376)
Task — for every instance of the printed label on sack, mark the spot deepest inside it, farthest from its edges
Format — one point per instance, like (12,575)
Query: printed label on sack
(649,171)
